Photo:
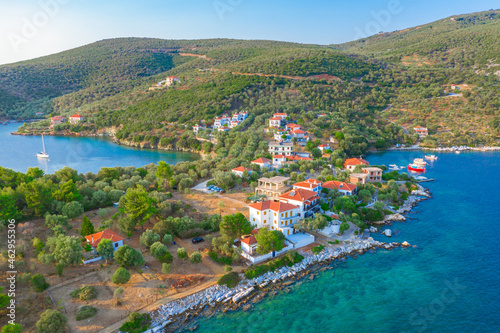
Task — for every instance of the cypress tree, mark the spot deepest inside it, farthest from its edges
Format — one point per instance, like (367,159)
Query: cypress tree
(87,227)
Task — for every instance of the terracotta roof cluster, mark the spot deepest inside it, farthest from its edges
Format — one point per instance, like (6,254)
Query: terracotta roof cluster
(339,186)
(96,238)
(308,184)
(273,205)
(76,116)
(299,158)
(355,161)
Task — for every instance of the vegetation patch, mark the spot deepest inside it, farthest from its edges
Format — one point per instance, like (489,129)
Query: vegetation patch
(230,280)
(136,323)
(85,311)
(291,257)
(85,293)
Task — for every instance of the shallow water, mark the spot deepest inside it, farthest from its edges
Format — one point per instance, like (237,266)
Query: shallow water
(449,283)
(80,153)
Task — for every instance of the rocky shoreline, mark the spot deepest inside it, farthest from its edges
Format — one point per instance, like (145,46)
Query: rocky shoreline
(178,315)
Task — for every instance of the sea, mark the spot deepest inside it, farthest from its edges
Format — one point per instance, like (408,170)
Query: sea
(84,154)
(449,282)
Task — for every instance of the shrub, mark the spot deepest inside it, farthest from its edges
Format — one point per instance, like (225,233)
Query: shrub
(51,321)
(230,280)
(344,227)
(167,258)
(38,244)
(221,260)
(168,239)
(325,206)
(158,250)
(136,323)
(227,268)
(127,256)
(39,282)
(118,292)
(85,293)
(12,328)
(196,257)
(72,209)
(59,269)
(182,253)
(166,268)
(120,276)
(85,311)
(149,237)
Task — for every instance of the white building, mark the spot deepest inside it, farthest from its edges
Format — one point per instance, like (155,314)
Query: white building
(240,116)
(76,118)
(279,160)
(282,116)
(171,80)
(342,187)
(239,171)
(281,148)
(307,201)
(275,122)
(221,121)
(96,238)
(198,127)
(263,162)
(324,147)
(310,185)
(274,216)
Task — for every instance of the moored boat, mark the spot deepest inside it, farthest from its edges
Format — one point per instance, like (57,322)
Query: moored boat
(416,168)
(431,157)
(42,154)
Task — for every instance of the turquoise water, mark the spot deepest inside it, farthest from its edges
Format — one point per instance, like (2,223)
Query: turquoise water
(449,283)
(82,154)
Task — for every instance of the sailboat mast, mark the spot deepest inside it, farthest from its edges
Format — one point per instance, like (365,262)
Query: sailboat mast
(43,143)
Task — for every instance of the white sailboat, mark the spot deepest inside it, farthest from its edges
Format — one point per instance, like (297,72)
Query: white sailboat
(42,154)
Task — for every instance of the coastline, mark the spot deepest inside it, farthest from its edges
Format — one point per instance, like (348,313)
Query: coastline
(178,315)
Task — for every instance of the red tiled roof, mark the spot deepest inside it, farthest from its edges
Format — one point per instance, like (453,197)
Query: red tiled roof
(355,161)
(96,238)
(336,185)
(280,114)
(57,118)
(273,205)
(299,158)
(275,118)
(323,146)
(261,160)
(240,168)
(299,195)
(279,156)
(76,116)
(292,125)
(298,131)
(310,183)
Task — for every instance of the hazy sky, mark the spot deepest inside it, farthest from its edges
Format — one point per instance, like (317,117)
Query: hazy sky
(33,28)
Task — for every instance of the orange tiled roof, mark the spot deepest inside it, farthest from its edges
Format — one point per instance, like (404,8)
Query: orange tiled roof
(262,160)
(356,161)
(273,205)
(96,238)
(336,185)
(300,194)
(240,168)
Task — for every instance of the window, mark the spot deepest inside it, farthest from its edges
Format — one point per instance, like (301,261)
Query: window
(254,219)
(274,213)
(257,212)
(265,213)
(275,221)
(116,244)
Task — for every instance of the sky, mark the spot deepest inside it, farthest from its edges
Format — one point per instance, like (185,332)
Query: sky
(34,28)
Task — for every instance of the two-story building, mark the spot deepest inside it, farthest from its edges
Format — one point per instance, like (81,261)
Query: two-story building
(240,116)
(272,188)
(57,120)
(171,80)
(307,201)
(342,187)
(421,131)
(292,126)
(221,121)
(274,216)
(275,122)
(263,162)
(281,148)
(282,116)
(358,178)
(374,174)
(76,118)
(198,127)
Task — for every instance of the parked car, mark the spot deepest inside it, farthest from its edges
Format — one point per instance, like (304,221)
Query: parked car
(197,240)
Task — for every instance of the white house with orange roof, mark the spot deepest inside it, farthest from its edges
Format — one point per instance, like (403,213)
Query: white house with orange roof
(279,160)
(263,162)
(307,201)
(310,185)
(292,126)
(282,116)
(57,120)
(421,131)
(240,116)
(76,118)
(298,133)
(274,215)
(351,163)
(275,122)
(221,121)
(343,187)
(240,170)
(171,80)
(96,238)
(324,147)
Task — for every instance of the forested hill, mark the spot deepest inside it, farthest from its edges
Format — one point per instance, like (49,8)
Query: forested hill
(457,41)
(96,71)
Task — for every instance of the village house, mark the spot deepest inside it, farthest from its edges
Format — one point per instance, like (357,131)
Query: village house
(274,216)
(275,122)
(240,116)
(249,243)
(272,187)
(351,163)
(298,133)
(421,131)
(307,201)
(280,136)
(171,80)
(292,126)
(239,171)
(294,158)
(282,116)
(342,187)
(310,185)
(40,113)
(279,160)
(281,148)
(234,123)
(221,121)
(96,238)
(324,147)
(263,162)
(224,128)
(57,120)
(374,174)
(358,178)
(198,127)
(75,119)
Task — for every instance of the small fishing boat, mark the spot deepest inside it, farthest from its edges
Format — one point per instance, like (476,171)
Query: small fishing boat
(394,167)
(416,168)
(457,151)
(431,157)
(43,154)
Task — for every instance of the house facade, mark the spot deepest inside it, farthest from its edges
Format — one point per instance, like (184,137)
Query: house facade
(358,178)
(57,120)
(281,148)
(324,147)
(307,201)
(272,188)
(240,170)
(263,162)
(421,131)
(171,80)
(221,121)
(310,185)
(75,119)
(274,216)
(374,175)
(281,116)
(275,122)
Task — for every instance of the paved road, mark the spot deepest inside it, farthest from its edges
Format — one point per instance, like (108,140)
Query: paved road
(202,186)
